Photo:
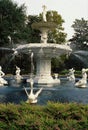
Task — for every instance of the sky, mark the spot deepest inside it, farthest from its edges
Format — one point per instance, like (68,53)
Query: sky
(68,9)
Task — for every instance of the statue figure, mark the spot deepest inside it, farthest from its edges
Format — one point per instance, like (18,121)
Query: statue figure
(71,76)
(2,80)
(44,13)
(43,37)
(18,70)
(18,77)
(32,98)
(1,72)
(82,82)
(56,75)
(10,39)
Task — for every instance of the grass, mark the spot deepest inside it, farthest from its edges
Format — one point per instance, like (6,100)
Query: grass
(53,116)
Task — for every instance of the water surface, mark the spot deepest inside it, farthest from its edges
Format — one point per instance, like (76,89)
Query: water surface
(64,92)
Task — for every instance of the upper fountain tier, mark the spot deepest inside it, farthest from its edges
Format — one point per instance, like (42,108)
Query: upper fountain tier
(44,27)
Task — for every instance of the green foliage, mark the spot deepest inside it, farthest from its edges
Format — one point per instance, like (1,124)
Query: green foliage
(80,37)
(53,116)
(33,35)
(57,35)
(58,64)
(12,20)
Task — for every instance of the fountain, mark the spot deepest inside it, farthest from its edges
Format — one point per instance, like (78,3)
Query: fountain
(43,52)
(2,80)
(71,76)
(82,82)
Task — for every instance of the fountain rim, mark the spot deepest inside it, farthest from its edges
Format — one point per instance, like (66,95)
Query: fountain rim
(44,25)
(42,45)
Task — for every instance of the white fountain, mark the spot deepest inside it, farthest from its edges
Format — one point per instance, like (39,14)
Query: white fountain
(71,76)
(18,77)
(43,52)
(82,83)
(2,80)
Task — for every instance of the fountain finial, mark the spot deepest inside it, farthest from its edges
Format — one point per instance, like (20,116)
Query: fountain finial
(44,13)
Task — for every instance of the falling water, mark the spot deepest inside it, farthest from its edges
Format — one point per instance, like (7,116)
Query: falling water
(81,52)
(12,57)
(32,65)
(82,56)
(11,53)
(41,52)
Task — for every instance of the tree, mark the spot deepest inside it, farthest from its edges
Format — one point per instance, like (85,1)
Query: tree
(80,37)
(12,21)
(57,35)
(32,35)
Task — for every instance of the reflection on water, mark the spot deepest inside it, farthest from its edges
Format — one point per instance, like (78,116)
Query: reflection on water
(65,92)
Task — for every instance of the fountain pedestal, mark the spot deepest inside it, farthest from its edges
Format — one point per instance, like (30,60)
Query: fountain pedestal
(43,71)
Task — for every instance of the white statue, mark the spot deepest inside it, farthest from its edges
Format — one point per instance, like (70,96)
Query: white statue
(44,13)
(71,76)
(43,37)
(56,75)
(82,82)
(10,39)
(18,77)
(32,98)
(2,80)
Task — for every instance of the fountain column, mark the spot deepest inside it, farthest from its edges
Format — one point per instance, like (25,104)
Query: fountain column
(43,71)
(43,59)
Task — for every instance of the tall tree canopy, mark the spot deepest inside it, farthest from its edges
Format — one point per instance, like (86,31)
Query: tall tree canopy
(80,37)
(57,35)
(12,21)
(32,35)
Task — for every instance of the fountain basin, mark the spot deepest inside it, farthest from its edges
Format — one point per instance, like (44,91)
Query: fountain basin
(56,49)
(44,25)
(63,92)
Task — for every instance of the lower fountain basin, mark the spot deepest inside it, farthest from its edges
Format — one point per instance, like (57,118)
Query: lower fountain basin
(63,92)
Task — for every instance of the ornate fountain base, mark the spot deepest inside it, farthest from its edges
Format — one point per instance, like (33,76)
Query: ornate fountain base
(45,79)
(43,53)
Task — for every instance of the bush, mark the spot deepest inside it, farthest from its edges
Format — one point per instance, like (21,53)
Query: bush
(53,116)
